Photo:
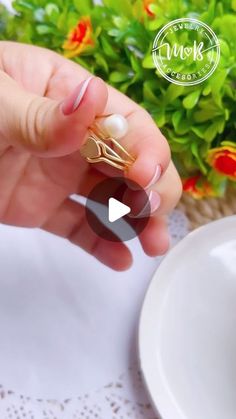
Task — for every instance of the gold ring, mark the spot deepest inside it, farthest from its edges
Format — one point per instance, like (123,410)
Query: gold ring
(102,144)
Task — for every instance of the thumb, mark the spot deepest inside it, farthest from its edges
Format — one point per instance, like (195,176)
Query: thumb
(48,127)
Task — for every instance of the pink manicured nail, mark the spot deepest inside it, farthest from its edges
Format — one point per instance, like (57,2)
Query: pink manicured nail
(155,177)
(154,201)
(72,102)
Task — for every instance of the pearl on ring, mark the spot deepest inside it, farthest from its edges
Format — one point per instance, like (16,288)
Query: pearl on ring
(115,125)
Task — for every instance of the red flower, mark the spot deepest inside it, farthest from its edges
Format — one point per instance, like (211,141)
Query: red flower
(198,187)
(147,8)
(79,38)
(223,160)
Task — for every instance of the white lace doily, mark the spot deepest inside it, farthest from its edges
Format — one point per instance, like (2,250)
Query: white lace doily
(123,398)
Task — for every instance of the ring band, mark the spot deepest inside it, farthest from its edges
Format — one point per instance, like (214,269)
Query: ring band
(102,147)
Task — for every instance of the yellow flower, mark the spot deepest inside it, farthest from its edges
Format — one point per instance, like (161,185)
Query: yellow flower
(223,160)
(79,38)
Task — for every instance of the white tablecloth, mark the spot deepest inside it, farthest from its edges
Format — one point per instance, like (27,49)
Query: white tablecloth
(68,329)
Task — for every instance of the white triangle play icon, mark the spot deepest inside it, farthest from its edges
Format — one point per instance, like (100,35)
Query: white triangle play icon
(116,210)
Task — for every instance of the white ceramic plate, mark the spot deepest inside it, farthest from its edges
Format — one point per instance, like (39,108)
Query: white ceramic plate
(187,334)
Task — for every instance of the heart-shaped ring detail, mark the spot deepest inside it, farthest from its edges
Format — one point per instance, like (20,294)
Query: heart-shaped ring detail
(91,148)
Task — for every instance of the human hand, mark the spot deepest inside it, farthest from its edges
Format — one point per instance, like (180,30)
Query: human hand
(40,162)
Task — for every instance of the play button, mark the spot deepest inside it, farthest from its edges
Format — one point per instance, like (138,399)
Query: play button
(117,210)
(113,209)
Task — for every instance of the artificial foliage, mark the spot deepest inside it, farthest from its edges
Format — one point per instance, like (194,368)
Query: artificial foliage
(114,40)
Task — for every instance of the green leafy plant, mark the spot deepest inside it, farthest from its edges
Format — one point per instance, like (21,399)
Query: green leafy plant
(114,40)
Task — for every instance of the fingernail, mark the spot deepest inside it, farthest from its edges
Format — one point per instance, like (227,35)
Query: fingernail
(155,177)
(72,102)
(153,203)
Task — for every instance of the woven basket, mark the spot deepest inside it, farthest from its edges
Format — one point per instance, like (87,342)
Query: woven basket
(203,211)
